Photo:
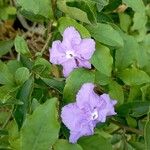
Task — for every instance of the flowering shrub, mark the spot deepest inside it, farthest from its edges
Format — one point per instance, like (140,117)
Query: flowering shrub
(75,74)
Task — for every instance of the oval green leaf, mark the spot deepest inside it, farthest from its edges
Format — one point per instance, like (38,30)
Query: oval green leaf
(133,76)
(102,60)
(21,45)
(95,142)
(21,75)
(41,129)
(105,34)
(62,144)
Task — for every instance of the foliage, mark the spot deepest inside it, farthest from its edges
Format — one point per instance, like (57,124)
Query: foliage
(33,91)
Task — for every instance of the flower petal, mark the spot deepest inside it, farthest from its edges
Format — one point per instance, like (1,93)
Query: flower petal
(76,120)
(107,105)
(57,55)
(74,136)
(71,37)
(86,48)
(72,116)
(86,97)
(69,66)
(84,63)
(102,115)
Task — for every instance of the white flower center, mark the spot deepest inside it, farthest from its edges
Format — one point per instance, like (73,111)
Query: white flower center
(94,114)
(70,54)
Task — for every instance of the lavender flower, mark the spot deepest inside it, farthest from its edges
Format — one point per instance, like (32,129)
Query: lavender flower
(72,52)
(82,116)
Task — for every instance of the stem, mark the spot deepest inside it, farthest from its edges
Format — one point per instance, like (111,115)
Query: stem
(54,5)
(24,22)
(18,57)
(46,44)
(127,128)
(49,28)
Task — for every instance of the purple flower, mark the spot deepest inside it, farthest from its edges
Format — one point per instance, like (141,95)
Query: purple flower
(72,52)
(82,116)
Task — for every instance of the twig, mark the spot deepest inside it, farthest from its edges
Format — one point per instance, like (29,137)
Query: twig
(53,5)
(12,55)
(18,57)
(46,44)
(23,22)
(6,57)
(127,128)
(116,130)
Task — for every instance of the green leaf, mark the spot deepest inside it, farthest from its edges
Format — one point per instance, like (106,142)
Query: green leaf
(22,74)
(3,131)
(143,56)
(55,83)
(3,116)
(146,42)
(6,12)
(40,92)
(148,10)
(101,78)
(135,109)
(131,53)
(42,67)
(26,62)
(146,133)
(7,92)
(136,5)
(86,6)
(145,48)
(140,14)
(41,129)
(105,34)
(131,122)
(128,54)
(125,21)
(4,144)
(5,75)
(113,5)
(36,10)
(34,104)
(13,65)
(73,83)
(134,76)
(14,136)
(21,45)
(5,46)
(143,20)
(134,93)
(145,92)
(140,26)
(137,145)
(95,142)
(103,17)
(116,92)
(24,96)
(73,12)
(102,60)
(65,22)
(100,4)
(62,144)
